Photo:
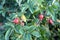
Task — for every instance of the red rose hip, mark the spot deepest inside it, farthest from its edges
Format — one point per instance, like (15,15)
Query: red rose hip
(16,20)
(41,17)
(50,21)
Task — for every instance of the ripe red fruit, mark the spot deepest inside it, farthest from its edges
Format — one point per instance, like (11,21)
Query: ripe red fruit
(41,17)
(16,20)
(50,21)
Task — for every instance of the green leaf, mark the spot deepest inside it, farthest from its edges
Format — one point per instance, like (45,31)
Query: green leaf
(51,10)
(3,2)
(19,2)
(53,17)
(12,26)
(24,7)
(27,36)
(13,15)
(39,1)
(54,6)
(26,27)
(32,28)
(29,28)
(20,13)
(36,33)
(30,4)
(31,9)
(8,33)
(21,31)
(3,14)
(1,7)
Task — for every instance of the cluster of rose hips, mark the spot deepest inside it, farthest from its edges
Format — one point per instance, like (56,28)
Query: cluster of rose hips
(41,16)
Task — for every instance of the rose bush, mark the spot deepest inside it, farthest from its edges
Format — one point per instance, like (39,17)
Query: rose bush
(29,19)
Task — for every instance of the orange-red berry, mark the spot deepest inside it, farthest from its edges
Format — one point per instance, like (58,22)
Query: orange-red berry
(50,21)
(41,17)
(16,20)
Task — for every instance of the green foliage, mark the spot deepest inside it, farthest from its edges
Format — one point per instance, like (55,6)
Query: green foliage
(33,28)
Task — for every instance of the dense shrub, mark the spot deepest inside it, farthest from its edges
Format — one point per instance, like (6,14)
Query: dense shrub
(29,19)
